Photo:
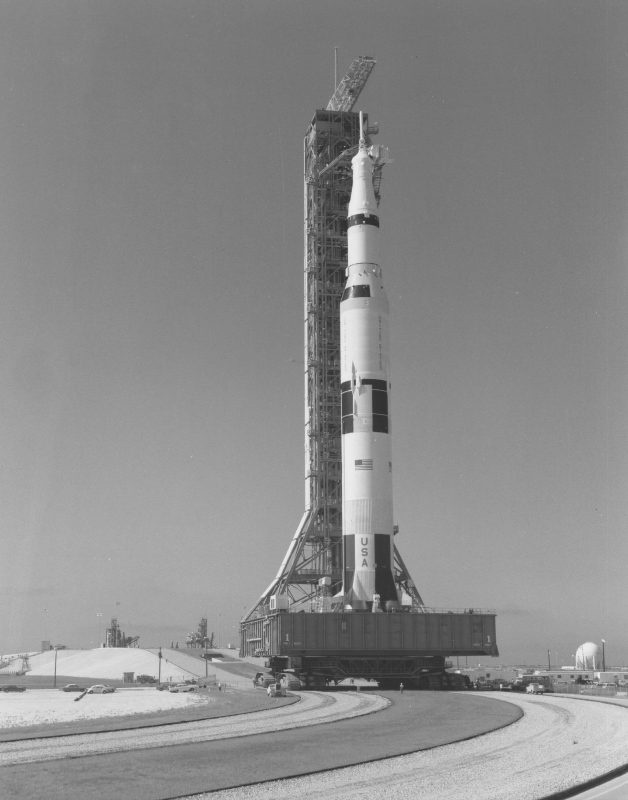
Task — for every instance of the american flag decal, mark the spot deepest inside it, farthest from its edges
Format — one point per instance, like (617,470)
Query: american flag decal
(364,463)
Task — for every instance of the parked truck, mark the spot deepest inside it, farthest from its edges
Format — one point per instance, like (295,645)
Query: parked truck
(146,679)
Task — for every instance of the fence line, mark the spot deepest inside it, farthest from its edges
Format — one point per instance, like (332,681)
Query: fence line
(590,689)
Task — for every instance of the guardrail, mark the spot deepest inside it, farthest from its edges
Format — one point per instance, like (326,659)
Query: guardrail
(230,686)
(590,689)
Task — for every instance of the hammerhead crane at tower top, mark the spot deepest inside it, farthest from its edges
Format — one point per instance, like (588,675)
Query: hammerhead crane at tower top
(350,87)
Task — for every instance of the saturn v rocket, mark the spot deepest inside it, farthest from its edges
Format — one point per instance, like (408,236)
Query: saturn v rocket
(367,509)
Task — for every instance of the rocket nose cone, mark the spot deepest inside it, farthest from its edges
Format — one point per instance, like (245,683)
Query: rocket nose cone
(362,193)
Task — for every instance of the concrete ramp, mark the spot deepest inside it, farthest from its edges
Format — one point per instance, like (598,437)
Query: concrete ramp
(196,665)
(109,664)
(13,663)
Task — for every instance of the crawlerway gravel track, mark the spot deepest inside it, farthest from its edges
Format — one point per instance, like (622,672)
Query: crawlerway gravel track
(314,708)
(557,744)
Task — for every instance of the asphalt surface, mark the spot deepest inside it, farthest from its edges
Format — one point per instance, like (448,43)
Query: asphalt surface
(414,721)
(555,748)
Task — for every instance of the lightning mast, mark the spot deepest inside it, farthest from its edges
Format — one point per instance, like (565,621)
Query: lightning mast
(312,565)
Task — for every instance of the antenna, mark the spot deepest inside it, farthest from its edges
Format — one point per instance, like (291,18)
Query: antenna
(362,140)
(335,68)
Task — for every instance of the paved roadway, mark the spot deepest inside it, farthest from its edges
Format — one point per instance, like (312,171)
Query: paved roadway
(616,789)
(558,743)
(613,789)
(410,722)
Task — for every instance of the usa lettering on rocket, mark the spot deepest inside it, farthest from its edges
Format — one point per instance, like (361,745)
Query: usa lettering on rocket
(367,508)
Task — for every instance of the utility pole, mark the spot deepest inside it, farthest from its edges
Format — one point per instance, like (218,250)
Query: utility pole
(159,678)
(55,683)
(603,656)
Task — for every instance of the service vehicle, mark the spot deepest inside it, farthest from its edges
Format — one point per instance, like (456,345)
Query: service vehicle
(291,682)
(263,680)
(535,688)
(100,688)
(146,679)
(13,688)
(72,687)
(521,684)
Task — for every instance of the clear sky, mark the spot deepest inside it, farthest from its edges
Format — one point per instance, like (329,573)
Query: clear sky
(151,237)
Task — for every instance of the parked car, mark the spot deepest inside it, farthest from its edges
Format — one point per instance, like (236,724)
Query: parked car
(72,687)
(12,688)
(100,688)
(183,687)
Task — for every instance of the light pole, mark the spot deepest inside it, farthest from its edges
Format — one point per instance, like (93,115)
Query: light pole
(603,656)
(99,615)
(159,678)
(55,684)
(549,662)
(219,621)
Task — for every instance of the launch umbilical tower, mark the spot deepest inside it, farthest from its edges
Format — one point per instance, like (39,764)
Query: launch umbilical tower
(315,552)
(335,611)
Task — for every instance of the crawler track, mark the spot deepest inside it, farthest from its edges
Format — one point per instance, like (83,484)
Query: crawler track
(314,708)
(558,743)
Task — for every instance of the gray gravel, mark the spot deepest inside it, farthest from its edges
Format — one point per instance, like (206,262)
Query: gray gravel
(558,743)
(314,708)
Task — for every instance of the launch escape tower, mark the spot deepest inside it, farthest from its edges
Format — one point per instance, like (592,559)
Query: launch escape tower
(315,552)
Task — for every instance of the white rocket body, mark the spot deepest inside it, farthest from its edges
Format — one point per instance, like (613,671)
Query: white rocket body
(367,509)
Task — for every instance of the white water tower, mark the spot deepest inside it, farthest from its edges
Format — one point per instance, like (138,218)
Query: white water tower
(587,656)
